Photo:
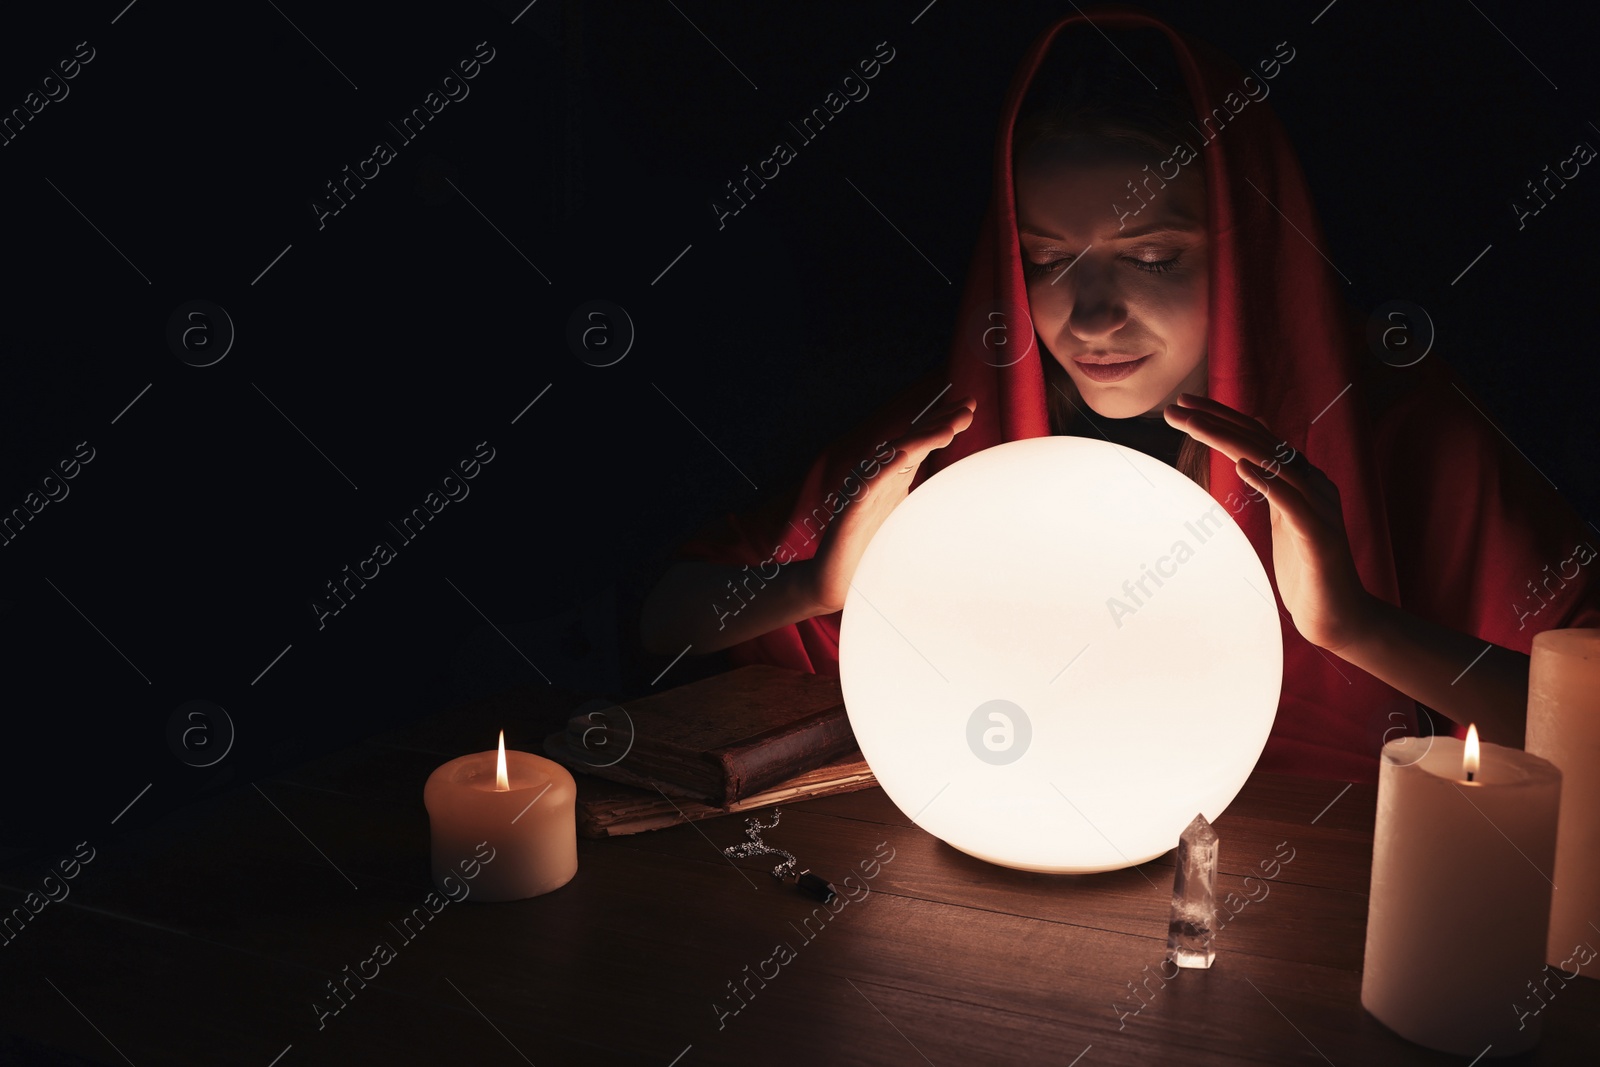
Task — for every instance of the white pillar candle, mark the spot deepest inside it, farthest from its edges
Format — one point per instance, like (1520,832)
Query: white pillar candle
(521,805)
(1564,728)
(1460,902)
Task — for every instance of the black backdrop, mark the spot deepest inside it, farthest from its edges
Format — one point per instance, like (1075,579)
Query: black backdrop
(375,348)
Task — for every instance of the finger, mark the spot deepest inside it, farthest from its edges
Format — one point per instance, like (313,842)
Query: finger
(1221,410)
(959,408)
(1288,500)
(905,461)
(1227,422)
(1191,402)
(947,408)
(1224,435)
(937,433)
(1284,451)
(1277,462)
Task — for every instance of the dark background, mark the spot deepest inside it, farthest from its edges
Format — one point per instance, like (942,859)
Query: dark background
(413,325)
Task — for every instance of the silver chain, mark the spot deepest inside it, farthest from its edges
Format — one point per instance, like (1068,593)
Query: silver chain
(757,847)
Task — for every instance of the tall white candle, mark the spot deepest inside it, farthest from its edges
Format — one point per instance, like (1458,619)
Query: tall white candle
(521,805)
(1564,728)
(1460,902)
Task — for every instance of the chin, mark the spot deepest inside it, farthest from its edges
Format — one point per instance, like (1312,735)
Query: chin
(1112,402)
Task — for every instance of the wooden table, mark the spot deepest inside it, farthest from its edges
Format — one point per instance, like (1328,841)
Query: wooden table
(208,938)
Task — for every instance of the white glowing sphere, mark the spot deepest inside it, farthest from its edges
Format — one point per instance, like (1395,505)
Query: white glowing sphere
(1056,651)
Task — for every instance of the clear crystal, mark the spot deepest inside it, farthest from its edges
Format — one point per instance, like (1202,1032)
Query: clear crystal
(1194,905)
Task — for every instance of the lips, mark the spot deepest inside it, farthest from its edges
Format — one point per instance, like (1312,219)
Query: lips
(1106,360)
(1109,368)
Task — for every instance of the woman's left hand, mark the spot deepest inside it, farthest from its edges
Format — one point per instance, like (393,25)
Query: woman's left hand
(1311,558)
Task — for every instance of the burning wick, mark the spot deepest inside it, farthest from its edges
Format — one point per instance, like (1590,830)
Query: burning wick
(502,783)
(1469,753)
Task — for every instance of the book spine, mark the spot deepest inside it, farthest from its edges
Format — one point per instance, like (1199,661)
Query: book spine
(775,757)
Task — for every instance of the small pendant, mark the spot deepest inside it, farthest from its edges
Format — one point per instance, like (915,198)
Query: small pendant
(813,886)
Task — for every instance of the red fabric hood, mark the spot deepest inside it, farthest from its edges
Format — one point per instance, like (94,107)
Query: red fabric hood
(1445,518)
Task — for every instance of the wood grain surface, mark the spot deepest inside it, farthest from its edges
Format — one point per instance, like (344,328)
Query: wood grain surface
(211,936)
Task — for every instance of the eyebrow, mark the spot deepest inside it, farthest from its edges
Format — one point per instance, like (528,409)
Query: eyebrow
(1179,227)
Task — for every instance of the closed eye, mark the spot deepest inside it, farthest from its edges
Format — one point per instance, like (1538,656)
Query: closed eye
(1158,266)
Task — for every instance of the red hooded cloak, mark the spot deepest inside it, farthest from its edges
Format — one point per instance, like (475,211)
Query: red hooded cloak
(1445,518)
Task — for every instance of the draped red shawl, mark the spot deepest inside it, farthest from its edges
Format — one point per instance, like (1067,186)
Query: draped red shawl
(1445,518)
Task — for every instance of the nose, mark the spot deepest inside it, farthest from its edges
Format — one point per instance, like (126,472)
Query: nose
(1098,307)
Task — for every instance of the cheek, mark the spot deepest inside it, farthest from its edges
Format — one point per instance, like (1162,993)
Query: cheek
(1177,311)
(1047,308)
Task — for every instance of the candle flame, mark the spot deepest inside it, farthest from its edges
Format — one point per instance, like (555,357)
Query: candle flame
(1469,754)
(501,782)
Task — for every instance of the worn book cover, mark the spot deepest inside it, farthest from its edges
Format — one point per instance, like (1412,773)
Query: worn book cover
(610,809)
(719,740)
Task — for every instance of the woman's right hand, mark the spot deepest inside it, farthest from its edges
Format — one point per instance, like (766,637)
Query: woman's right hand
(842,543)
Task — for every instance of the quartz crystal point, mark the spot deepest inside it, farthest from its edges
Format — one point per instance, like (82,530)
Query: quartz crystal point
(1194,905)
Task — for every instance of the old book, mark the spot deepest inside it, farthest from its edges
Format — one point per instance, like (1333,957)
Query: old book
(718,740)
(609,809)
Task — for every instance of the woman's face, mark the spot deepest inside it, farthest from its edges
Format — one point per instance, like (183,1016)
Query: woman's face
(1116,282)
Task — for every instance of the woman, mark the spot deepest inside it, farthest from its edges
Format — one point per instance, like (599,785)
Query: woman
(1149,271)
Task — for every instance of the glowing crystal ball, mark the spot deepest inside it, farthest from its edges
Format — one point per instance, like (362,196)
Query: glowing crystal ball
(1056,651)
